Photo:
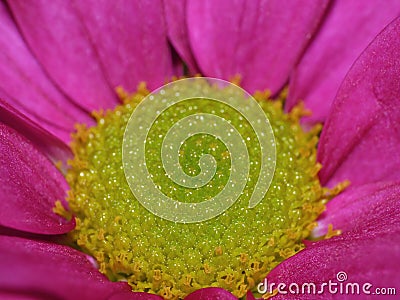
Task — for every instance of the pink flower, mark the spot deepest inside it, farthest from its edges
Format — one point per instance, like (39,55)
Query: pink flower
(59,60)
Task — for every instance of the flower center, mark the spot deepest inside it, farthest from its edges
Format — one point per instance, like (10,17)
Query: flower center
(234,250)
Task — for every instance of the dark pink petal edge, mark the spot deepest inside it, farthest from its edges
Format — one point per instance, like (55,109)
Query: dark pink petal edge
(50,271)
(346,31)
(49,144)
(259,40)
(372,207)
(135,296)
(361,138)
(211,293)
(29,186)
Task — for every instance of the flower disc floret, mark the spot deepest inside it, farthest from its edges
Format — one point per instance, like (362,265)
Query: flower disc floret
(234,250)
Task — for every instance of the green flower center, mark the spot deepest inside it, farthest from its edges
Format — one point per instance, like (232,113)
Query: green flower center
(234,250)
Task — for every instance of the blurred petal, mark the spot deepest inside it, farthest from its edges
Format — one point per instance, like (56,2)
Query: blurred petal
(259,40)
(52,271)
(49,144)
(24,85)
(175,14)
(29,187)
(250,296)
(347,30)
(14,295)
(135,296)
(211,293)
(372,207)
(365,259)
(91,47)
(361,138)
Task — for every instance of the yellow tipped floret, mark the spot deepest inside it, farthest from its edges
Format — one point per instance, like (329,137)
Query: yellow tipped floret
(235,250)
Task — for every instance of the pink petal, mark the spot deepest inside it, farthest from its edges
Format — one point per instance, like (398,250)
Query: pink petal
(24,85)
(49,144)
(368,251)
(260,40)
(211,293)
(250,296)
(51,271)
(347,30)
(29,187)
(55,33)
(361,138)
(373,206)
(13,295)
(365,259)
(91,47)
(134,296)
(175,14)
(131,40)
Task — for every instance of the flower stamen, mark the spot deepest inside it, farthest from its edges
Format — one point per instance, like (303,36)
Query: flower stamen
(235,250)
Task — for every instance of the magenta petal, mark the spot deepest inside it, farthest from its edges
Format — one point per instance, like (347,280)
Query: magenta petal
(14,295)
(364,260)
(175,14)
(373,207)
(131,40)
(29,187)
(368,251)
(52,271)
(24,84)
(134,296)
(260,40)
(250,296)
(347,30)
(55,33)
(211,293)
(49,144)
(91,47)
(361,138)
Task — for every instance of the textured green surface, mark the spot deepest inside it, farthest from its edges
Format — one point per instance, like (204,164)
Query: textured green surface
(234,250)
